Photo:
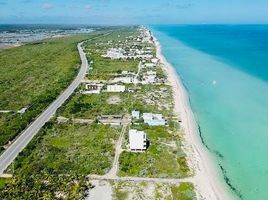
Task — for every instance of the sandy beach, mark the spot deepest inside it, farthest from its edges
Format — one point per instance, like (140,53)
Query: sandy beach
(206,175)
(7,46)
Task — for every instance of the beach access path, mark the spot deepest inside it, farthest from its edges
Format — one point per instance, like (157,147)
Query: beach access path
(26,136)
(118,150)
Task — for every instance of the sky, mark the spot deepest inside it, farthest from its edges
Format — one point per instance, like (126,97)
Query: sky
(132,11)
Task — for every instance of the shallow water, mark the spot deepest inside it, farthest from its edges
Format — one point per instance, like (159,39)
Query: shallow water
(225,70)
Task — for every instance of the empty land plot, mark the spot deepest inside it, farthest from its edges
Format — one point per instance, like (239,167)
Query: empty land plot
(58,160)
(105,68)
(90,106)
(157,98)
(157,191)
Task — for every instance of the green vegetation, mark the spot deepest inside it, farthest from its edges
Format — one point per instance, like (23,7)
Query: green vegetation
(129,190)
(164,157)
(58,159)
(33,70)
(147,190)
(32,76)
(185,191)
(119,191)
(105,68)
(90,106)
(154,98)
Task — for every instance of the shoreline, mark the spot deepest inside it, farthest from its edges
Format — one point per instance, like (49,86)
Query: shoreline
(206,177)
(8,45)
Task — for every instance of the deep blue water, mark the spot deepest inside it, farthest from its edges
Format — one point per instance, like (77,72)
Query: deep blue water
(244,46)
(225,70)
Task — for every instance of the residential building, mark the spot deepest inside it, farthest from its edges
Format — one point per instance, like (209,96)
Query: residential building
(137,140)
(113,120)
(153,119)
(93,88)
(149,65)
(116,88)
(154,60)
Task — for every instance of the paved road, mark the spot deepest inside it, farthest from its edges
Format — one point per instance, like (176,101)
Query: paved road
(21,142)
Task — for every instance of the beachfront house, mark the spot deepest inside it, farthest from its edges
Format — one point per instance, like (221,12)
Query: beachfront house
(154,60)
(137,140)
(154,119)
(116,88)
(135,114)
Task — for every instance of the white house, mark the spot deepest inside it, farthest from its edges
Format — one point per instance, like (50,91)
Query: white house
(135,114)
(137,140)
(154,119)
(116,88)
(149,65)
(154,60)
(93,88)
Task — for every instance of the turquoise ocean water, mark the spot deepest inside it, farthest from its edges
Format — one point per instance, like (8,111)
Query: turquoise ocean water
(225,71)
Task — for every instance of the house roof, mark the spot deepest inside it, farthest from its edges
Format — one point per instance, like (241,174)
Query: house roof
(137,139)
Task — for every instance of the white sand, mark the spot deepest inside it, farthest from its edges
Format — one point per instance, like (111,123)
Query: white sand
(206,175)
(102,191)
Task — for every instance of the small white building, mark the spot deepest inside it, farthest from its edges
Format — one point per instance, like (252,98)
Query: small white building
(154,119)
(93,88)
(116,88)
(135,114)
(154,60)
(149,65)
(137,140)
(143,56)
